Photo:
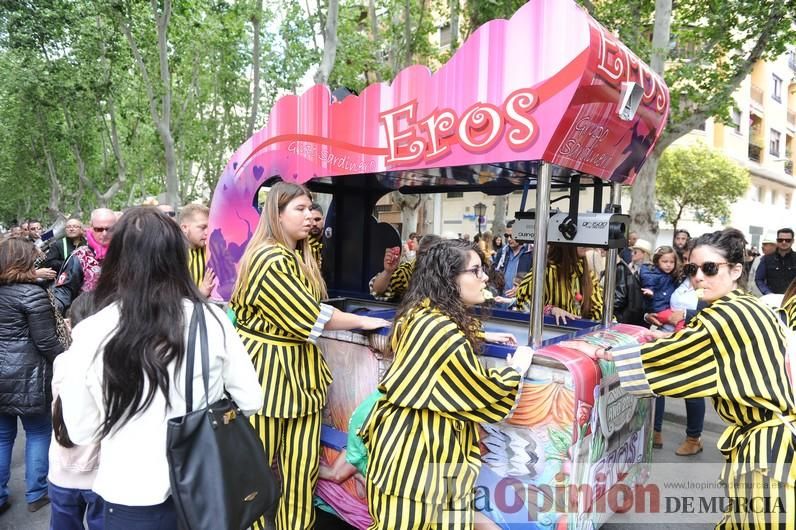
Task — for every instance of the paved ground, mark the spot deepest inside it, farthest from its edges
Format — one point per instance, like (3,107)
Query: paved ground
(18,518)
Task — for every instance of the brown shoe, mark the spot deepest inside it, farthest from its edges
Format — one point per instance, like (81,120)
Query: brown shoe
(38,504)
(691,446)
(657,440)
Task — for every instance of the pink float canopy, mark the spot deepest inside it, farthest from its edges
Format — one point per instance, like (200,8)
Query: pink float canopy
(543,86)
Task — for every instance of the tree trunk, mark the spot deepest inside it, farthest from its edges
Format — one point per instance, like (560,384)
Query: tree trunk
(642,197)
(164,125)
(642,207)
(409,205)
(454,24)
(374,37)
(256,19)
(329,44)
(499,220)
(407,59)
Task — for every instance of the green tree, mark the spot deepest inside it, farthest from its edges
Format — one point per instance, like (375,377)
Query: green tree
(704,49)
(701,180)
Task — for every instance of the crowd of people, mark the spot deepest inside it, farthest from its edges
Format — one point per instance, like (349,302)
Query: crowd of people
(94,326)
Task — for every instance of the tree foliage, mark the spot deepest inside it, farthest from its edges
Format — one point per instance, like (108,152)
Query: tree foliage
(700,180)
(77,127)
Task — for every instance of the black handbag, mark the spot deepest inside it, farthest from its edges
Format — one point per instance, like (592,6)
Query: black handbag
(220,477)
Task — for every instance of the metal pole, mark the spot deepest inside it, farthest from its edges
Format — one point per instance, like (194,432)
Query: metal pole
(610,265)
(540,253)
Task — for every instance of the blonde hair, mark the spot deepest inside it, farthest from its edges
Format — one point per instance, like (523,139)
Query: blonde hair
(269,232)
(189,211)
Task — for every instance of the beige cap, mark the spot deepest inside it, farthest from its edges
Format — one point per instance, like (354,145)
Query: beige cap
(643,244)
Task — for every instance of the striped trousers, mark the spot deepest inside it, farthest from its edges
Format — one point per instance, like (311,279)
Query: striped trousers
(295,445)
(759,502)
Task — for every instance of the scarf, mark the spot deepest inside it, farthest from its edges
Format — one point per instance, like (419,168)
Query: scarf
(99,249)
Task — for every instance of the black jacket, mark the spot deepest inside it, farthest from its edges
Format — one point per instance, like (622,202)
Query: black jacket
(58,252)
(628,300)
(28,345)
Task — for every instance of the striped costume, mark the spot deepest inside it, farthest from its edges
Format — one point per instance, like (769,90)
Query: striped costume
(560,292)
(399,283)
(422,437)
(197,264)
(279,318)
(316,246)
(732,352)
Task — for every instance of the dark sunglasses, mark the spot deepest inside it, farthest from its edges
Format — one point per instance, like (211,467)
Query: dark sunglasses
(784,240)
(507,236)
(709,268)
(171,214)
(100,229)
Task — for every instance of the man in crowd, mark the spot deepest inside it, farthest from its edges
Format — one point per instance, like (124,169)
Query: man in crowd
(778,269)
(81,270)
(514,261)
(60,250)
(316,232)
(193,223)
(627,253)
(768,247)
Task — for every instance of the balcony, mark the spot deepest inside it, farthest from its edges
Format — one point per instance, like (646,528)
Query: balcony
(755,152)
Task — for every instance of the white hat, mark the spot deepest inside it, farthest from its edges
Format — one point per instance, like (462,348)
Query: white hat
(643,244)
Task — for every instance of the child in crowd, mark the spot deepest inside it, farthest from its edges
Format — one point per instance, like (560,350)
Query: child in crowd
(658,282)
(72,468)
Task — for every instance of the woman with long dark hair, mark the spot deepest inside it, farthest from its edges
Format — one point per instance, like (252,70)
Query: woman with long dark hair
(422,436)
(734,352)
(28,345)
(277,302)
(127,376)
(571,289)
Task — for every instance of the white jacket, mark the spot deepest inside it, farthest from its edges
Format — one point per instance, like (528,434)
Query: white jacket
(133,469)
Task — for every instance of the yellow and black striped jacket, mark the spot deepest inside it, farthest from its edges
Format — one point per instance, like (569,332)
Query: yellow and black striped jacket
(560,292)
(399,281)
(279,317)
(197,264)
(788,309)
(733,351)
(316,246)
(422,436)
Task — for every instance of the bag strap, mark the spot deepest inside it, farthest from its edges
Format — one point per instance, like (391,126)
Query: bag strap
(189,360)
(199,309)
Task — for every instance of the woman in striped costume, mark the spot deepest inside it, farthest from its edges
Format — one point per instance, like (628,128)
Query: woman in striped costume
(571,289)
(734,352)
(280,317)
(422,436)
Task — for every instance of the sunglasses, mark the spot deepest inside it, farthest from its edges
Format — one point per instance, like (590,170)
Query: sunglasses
(171,214)
(784,240)
(507,236)
(100,229)
(709,268)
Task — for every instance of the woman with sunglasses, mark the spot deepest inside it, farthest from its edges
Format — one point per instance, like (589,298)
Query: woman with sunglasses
(422,436)
(734,352)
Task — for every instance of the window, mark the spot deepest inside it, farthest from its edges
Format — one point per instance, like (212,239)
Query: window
(773,146)
(445,36)
(754,193)
(455,195)
(736,120)
(776,89)
(792,60)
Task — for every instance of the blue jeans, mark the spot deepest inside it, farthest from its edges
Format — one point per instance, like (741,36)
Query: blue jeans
(38,429)
(69,506)
(158,517)
(694,414)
